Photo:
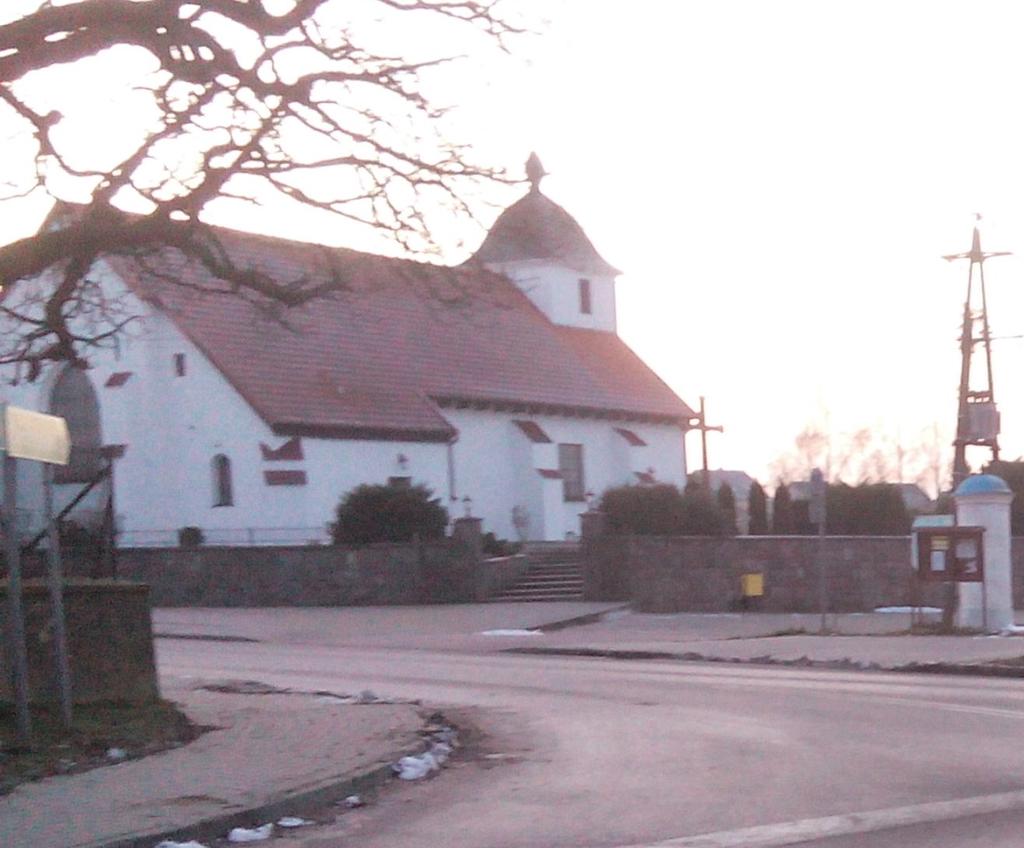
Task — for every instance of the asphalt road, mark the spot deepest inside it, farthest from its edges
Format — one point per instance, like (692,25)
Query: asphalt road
(593,752)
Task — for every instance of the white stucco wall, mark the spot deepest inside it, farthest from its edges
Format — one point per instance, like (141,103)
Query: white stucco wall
(554,289)
(491,451)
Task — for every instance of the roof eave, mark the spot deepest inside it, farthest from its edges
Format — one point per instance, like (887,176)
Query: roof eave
(361,432)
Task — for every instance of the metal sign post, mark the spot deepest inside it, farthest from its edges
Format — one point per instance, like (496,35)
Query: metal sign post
(44,438)
(817,516)
(17,654)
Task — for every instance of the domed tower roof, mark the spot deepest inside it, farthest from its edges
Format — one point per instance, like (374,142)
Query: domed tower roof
(535,227)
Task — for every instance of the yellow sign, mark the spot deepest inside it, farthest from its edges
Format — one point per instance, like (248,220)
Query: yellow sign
(752,585)
(34,435)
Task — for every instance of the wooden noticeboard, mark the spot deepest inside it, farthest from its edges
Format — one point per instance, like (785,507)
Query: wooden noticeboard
(950,554)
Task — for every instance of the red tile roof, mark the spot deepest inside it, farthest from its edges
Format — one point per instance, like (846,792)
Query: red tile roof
(376,358)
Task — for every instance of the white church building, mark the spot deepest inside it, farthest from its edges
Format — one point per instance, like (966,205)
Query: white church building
(501,384)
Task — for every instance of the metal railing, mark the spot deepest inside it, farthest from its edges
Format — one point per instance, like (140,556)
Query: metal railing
(229,536)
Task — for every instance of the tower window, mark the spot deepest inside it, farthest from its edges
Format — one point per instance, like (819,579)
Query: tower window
(222,494)
(585,296)
(179,364)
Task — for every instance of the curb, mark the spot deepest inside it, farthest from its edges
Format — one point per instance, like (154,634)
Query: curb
(958,669)
(578,620)
(216,827)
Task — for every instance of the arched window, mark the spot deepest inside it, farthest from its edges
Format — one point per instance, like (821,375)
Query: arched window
(222,495)
(74,399)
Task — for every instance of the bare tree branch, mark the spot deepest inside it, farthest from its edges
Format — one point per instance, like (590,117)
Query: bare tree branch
(250,105)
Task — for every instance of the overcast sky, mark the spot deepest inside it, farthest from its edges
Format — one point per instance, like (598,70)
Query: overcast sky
(778,181)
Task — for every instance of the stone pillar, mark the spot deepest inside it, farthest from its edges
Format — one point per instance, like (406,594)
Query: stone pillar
(468,531)
(983,500)
(593,525)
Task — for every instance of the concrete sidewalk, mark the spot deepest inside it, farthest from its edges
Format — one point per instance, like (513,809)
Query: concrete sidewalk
(435,627)
(872,639)
(864,639)
(269,750)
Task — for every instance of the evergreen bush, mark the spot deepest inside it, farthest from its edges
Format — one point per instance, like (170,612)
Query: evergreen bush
(757,510)
(396,513)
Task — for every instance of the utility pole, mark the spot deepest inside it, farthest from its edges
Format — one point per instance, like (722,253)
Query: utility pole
(977,421)
(701,423)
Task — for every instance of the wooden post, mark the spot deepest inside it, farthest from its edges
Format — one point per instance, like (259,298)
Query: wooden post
(702,425)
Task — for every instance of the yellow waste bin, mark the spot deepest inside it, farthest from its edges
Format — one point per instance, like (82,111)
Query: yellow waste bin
(752,585)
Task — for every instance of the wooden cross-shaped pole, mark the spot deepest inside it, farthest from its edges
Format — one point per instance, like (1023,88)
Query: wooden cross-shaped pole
(702,425)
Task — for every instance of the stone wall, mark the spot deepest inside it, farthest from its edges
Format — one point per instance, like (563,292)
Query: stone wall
(374,575)
(675,574)
(110,642)
(498,573)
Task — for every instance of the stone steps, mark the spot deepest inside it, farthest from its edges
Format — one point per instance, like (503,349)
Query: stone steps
(554,574)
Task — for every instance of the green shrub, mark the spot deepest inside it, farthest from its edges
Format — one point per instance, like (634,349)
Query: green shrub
(783,520)
(643,510)
(1012,473)
(702,515)
(662,510)
(726,501)
(870,509)
(494,547)
(375,513)
(757,509)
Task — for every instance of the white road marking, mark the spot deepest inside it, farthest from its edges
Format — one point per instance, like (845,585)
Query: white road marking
(807,830)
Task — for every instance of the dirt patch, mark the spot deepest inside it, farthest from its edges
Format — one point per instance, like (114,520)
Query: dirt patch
(131,730)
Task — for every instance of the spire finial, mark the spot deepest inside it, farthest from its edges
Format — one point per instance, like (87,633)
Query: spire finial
(534,171)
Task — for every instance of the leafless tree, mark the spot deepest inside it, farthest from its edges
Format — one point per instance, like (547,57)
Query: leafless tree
(253,100)
(866,456)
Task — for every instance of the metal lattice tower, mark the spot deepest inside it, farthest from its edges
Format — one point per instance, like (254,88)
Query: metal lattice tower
(977,421)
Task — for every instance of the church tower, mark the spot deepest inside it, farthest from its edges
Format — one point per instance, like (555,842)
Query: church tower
(544,251)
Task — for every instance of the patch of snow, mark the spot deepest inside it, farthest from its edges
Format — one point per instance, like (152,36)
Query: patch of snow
(353,801)
(256,834)
(293,821)
(116,755)
(412,768)
(511,632)
(908,610)
(167,843)
(1014,630)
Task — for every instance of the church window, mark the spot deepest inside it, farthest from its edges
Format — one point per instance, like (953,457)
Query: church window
(74,399)
(585,308)
(222,494)
(179,364)
(570,463)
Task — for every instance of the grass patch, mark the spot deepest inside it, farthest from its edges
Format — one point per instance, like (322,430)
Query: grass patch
(138,729)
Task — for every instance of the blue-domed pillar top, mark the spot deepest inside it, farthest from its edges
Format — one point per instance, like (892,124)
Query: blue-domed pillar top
(983,500)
